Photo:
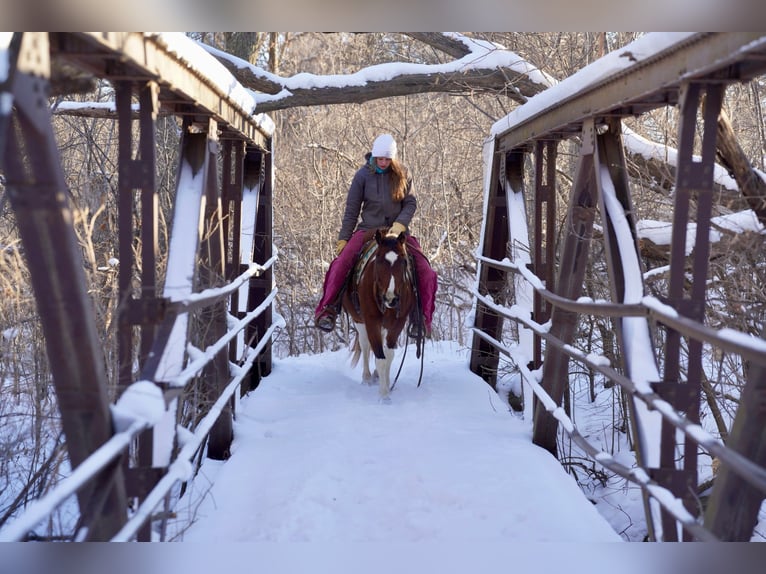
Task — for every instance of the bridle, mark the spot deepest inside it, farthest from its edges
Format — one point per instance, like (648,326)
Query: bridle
(401,259)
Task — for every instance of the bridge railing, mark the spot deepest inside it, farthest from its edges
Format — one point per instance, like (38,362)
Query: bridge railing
(751,472)
(522,278)
(187,346)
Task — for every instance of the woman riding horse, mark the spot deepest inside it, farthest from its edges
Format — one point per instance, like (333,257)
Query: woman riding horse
(379,300)
(381,192)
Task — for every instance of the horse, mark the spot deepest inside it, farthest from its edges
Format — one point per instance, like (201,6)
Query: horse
(379,299)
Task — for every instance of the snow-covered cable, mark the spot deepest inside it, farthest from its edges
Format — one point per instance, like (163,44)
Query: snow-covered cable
(179,470)
(198,363)
(750,471)
(664,496)
(42,507)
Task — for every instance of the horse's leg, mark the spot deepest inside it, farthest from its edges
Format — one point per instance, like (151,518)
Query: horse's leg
(384,365)
(364,344)
(384,373)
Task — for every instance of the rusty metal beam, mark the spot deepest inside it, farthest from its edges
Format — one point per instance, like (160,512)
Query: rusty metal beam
(694,186)
(260,287)
(732,511)
(137,56)
(232,164)
(492,281)
(212,319)
(544,242)
(610,158)
(38,193)
(581,214)
(653,82)
(125,342)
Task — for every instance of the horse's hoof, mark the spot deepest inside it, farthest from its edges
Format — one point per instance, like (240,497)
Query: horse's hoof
(385,400)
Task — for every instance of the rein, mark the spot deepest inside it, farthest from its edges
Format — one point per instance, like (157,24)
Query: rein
(420,343)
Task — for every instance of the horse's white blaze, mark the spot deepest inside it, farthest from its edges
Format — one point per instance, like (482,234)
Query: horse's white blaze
(391,257)
(391,291)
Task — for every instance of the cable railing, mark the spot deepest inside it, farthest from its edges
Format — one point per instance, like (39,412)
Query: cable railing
(180,469)
(116,452)
(636,476)
(728,340)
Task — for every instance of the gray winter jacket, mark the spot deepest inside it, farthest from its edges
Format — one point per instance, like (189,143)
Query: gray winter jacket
(370,196)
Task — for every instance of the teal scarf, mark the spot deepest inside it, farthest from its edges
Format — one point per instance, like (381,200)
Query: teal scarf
(374,164)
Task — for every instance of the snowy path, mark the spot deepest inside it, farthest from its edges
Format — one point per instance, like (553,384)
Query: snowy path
(318,458)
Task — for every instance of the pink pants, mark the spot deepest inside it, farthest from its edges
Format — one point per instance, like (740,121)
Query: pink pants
(342,265)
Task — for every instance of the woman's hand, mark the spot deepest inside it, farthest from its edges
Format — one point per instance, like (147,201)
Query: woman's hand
(339,246)
(396,229)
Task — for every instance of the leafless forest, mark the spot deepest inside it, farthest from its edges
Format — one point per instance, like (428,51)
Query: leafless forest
(317,150)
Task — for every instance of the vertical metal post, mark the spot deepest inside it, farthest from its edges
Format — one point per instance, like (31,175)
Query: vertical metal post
(572,265)
(492,281)
(37,190)
(544,233)
(233,174)
(694,180)
(137,172)
(148,108)
(212,319)
(123,103)
(261,286)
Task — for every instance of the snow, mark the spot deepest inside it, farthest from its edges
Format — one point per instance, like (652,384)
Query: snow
(184,240)
(659,232)
(141,402)
(482,55)
(317,458)
(610,64)
(198,59)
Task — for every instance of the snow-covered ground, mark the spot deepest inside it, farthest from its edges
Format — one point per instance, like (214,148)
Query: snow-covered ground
(317,458)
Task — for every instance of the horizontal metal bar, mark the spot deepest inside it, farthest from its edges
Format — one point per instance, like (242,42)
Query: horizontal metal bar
(649,307)
(747,469)
(650,83)
(148,58)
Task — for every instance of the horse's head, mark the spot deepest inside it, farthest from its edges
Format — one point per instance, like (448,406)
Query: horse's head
(393,284)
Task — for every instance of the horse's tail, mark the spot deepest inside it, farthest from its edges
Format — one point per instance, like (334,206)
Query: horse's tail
(356,351)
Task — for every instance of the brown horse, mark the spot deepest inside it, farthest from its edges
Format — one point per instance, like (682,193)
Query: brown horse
(379,299)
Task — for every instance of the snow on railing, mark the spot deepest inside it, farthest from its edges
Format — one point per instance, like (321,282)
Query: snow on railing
(664,496)
(727,339)
(179,469)
(39,509)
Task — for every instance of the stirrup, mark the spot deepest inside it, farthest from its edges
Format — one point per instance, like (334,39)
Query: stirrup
(416,329)
(326,320)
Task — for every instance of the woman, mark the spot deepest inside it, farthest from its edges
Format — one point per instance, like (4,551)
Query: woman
(381,192)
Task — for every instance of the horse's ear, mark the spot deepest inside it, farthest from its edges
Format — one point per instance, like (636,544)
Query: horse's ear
(378,236)
(402,238)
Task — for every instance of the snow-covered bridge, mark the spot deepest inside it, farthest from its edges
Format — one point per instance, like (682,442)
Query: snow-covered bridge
(527,302)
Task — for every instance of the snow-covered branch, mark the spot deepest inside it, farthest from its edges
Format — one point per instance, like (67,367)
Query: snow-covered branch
(480,67)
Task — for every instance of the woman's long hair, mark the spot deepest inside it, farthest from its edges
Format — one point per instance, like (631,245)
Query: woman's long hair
(398,180)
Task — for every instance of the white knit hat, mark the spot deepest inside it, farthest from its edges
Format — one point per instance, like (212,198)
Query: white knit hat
(384,146)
